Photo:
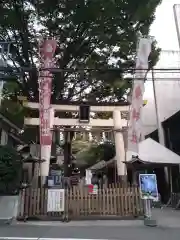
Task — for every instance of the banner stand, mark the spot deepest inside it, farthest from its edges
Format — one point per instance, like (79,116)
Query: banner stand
(148,212)
(47,49)
(148,221)
(149,193)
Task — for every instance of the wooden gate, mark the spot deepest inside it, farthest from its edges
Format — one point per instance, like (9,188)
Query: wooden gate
(122,201)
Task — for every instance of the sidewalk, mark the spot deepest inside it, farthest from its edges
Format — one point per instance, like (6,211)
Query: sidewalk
(97,223)
(168,228)
(166,217)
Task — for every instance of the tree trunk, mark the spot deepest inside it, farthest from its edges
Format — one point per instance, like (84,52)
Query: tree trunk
(67,159)
(68,136)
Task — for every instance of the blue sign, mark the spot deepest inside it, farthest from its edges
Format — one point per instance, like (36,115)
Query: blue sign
(148,186)
(55,179)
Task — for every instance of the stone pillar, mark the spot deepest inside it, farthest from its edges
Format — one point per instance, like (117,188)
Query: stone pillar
(84,136)
(46,151)
(45,155)
(98,136)
(119,145)
(90,137)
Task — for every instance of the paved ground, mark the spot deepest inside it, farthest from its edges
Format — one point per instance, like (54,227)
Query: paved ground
(168,228)
(89,232)
(167,217)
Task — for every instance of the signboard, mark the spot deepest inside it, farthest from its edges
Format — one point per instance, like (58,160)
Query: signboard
(74,180)
(54,172)
(148,186)
(55,179)
(55,201)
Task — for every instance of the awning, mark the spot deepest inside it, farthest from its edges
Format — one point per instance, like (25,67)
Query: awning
(151,152)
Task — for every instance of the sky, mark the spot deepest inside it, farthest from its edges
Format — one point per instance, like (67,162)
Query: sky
(163,28)
(164,31)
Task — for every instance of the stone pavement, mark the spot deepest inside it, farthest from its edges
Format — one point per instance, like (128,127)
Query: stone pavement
(168,228)
(166,217)
(30,232)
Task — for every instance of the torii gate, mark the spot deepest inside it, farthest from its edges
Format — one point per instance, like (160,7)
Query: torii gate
(116,124)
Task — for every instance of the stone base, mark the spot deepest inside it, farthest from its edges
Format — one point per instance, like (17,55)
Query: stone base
(8,208)
(7,221)
(150,222)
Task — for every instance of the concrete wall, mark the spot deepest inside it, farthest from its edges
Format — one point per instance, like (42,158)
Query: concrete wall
(168,91)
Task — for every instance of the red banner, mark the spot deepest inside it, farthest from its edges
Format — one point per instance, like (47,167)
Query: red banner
(47,50)
(135,130)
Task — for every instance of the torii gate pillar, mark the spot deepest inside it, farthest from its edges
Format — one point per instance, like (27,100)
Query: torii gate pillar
(119,145)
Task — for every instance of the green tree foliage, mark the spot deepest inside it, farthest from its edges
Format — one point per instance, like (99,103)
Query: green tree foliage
(95,153)
(10,107)
(107,150)
(10,170)
(79,145)
(90,34)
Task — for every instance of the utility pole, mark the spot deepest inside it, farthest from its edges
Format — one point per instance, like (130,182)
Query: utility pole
(159,124)
(176,11)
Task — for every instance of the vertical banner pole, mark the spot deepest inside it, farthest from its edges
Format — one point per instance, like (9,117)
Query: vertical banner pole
(146,205)
(135,123)
(2,64)
(176,22)
(47,50)
(158,122)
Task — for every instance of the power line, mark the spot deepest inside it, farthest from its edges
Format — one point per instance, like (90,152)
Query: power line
(56,70)
(12,79)
(13,72)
